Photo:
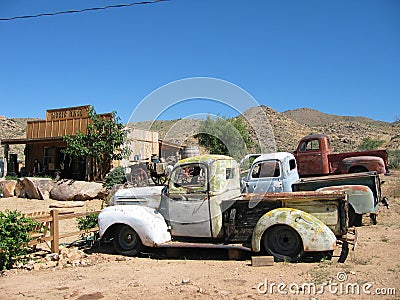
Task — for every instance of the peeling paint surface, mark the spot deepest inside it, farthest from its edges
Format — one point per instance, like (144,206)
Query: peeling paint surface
(359,196)
(148,195)
(223,182)
(148,223)
(315,235)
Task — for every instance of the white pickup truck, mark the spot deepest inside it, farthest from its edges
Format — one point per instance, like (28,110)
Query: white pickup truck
(277,172)
(202,203)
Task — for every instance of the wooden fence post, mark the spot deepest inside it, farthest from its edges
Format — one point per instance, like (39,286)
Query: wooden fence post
(54,231)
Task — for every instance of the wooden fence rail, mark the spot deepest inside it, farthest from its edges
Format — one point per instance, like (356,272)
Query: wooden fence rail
(48,229)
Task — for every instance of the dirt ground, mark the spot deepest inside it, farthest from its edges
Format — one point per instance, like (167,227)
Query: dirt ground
(372,271)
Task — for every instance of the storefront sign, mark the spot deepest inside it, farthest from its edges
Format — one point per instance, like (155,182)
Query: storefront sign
(67,113)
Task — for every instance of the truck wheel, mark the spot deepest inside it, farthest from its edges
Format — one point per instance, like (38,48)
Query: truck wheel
(284,243)
(358,169)
(127,241)
(354,218)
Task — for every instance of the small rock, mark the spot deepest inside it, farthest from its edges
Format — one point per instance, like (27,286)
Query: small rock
(120,258)
(53,257)
(224,293)
(49,265)
(185,280)
(30,266)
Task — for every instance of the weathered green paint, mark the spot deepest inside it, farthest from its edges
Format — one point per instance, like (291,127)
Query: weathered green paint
(221,186)
(315,235)
(217,165)
(326,211)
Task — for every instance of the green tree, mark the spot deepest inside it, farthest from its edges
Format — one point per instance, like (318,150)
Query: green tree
(224,136)
(104,141)
(370,144)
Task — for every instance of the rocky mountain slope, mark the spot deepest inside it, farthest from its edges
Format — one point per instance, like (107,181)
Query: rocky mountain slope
(282,131)
(13,129)
(313,118)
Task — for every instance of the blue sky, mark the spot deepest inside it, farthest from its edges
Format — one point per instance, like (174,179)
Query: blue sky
(340,57)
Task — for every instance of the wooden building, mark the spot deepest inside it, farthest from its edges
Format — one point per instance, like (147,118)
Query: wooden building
(44,144)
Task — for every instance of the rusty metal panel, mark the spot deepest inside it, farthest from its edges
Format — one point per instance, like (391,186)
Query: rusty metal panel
(329,207)
(370,179)
(297,196)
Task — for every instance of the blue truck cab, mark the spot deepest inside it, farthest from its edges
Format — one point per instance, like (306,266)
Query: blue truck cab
(271,172)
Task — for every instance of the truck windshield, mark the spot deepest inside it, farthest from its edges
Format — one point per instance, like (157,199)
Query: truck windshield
(309,145)
(190,176)
(265,169)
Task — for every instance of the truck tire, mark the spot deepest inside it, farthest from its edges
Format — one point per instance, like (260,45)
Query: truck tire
(127,241)
(354,218)
(284,243)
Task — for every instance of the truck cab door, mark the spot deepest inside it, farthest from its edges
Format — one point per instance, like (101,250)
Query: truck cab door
(185,202)
(309,158)
(290,174)
(265,176)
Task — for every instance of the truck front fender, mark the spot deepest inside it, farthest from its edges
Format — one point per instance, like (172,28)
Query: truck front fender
(360,197)
(147,222)
(315,235)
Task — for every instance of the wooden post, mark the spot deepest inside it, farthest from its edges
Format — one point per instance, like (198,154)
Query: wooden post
(54,231)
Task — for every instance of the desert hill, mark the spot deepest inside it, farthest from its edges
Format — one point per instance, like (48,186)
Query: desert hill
(13,129)
(277,131)
(282,131)
(313,118)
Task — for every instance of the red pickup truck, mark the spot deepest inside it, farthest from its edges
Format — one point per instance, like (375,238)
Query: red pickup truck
(315,157)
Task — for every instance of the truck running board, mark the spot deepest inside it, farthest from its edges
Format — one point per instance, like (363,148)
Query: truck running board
(203,245)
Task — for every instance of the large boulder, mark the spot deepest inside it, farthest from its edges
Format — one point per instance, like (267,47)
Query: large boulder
(67,190)
(8,187)
(38,188)
(20,188)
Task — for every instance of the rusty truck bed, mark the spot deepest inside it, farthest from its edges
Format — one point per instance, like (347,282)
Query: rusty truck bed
(242,213)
